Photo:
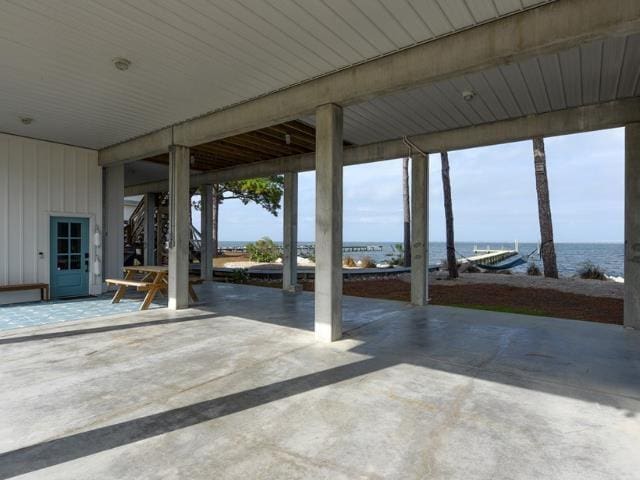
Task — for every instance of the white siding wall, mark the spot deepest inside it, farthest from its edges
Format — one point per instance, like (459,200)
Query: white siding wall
(37,180)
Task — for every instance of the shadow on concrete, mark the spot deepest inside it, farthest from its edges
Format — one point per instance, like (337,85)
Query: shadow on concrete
(65,449)
(505,349)
(107,328)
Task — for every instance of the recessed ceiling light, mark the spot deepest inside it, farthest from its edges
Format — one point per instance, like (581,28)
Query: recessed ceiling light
(468,95)
(26,120)
(121,64)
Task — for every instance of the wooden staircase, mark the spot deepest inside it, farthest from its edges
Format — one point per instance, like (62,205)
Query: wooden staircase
(134,245)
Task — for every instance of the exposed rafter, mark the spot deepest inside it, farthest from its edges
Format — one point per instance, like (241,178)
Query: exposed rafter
(581,119)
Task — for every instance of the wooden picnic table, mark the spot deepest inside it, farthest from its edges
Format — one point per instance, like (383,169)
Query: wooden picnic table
(154,279)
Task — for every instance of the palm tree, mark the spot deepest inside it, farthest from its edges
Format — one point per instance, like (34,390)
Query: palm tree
(452,262)
(547,248)
(407,212)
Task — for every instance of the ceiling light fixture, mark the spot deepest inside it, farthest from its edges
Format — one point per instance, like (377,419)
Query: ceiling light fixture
(287,139)
(26,120)
(468,95)
(121,64)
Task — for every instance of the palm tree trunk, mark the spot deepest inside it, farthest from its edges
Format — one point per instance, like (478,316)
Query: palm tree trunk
(407,213)
(452,262)
(214,213)
(547,248)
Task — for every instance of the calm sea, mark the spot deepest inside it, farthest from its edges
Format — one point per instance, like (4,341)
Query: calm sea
(609,256)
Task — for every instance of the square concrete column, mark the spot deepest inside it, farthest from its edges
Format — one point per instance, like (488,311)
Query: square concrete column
(632,227)
(419,229)
(290,233)
(113,221)
(179,206)
(149,228)
(328,276)
(206,222)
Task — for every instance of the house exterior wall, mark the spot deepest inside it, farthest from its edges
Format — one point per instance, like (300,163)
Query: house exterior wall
(38,180)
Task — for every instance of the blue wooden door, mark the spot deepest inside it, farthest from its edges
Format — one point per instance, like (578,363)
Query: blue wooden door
(69,257)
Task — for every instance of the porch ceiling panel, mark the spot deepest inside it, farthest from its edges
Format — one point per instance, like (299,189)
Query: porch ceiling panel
(189,58)
(599,71)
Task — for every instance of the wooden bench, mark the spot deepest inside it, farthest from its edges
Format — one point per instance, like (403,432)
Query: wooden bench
(154,280)
(140,286)
(43,287)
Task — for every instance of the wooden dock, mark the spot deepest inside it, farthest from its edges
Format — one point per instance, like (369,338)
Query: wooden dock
(488,256)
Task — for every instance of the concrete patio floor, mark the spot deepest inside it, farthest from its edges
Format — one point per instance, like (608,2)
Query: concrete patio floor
(237,387)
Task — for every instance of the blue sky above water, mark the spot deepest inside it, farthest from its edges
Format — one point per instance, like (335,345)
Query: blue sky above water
(494,196)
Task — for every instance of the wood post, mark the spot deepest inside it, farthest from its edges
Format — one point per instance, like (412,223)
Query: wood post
(206,224)
(149,228)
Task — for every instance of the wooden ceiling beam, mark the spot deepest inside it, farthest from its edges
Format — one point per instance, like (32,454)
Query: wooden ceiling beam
(261,137)
(223,152)
(261,147)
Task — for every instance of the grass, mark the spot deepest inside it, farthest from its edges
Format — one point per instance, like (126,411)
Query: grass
(501,309)
(495,298)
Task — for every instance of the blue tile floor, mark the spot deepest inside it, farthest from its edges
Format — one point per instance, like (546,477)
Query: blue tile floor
(40,313)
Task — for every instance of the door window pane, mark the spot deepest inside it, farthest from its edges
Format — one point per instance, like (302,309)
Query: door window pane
(63,262)
(63,229)
(76,229)
(75,245)
(75,262)
(63,245)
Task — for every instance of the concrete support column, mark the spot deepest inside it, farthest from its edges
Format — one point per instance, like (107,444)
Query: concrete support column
(419,229)
(206,222)
(179,207)
(632,227)
(113,221)
(290,233)
(328,276)
(149,228)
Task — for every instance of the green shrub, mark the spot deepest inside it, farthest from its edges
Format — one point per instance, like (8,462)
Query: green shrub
(589,271)
(348,262)
(367,262)
(264,251)
(239,276)
(533,270)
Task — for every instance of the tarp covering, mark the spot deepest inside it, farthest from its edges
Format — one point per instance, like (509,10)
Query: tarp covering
(503,266)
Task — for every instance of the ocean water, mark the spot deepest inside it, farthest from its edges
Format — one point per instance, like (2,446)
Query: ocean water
(608,256)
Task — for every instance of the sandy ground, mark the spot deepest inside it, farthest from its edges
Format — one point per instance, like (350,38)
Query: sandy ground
(596,288)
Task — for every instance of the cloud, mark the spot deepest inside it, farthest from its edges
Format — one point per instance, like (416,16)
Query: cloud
(494,195)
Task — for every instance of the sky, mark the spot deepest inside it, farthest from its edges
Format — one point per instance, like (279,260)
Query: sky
(493,192)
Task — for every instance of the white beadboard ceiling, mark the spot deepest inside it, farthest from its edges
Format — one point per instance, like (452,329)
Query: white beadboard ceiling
(194,56)
(591,73)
